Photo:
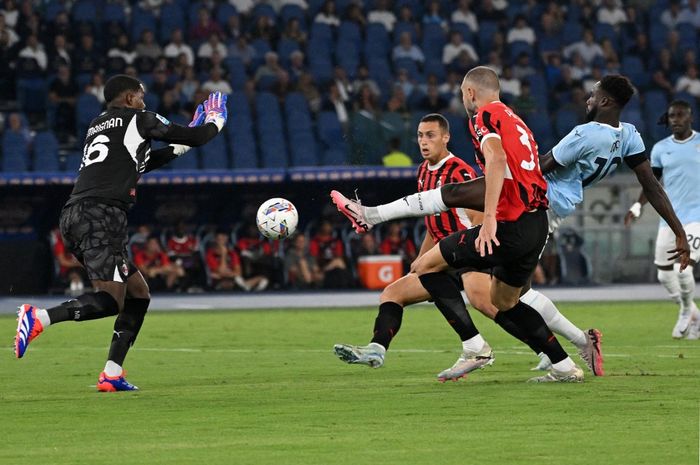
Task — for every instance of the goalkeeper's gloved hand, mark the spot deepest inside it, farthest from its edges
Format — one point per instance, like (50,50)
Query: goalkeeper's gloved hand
(215,109)
(199,115)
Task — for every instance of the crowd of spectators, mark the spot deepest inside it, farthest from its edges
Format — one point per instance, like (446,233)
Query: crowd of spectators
(346,57)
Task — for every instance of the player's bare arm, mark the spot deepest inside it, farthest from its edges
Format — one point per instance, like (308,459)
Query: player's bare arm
(635,210)
(548,163)
(495,167)
(654,192)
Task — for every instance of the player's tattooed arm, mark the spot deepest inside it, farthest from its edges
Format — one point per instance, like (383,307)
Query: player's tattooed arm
(656,196)
(548,163)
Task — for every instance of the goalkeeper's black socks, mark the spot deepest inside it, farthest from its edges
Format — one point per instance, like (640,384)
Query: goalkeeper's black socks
(387,323)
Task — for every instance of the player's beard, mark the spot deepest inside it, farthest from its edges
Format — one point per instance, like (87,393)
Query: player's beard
(591,114)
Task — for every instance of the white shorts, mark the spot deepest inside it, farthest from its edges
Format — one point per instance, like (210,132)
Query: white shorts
(666,241)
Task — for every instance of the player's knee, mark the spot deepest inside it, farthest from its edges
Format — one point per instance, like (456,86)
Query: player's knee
(482,302)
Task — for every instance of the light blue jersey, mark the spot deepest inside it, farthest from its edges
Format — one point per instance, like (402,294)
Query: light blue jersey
(680,162)
(587,154)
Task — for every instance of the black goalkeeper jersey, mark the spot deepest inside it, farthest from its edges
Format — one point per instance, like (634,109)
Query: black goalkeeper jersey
(118,150)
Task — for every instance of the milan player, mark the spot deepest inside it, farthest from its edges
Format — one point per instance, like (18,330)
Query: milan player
(93,221)
(514,229)
(439,167)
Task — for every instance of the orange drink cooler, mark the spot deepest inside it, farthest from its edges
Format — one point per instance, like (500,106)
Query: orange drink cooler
(378,271)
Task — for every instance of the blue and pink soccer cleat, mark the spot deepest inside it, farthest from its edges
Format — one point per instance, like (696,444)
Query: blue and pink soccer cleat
(114,383)
(28,328)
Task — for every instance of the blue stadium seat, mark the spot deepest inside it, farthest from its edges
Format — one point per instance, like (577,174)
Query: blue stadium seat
(634,116)
(52,9)
(214,155)
(541,127)
(465,31)
(655,103)
(401,27)
(487,29)
(297,112)
(87,107)
(347,56)
(242,149)
(72,161)
(460,141)
(285,47)
(321,33)
(333,142)
(15,153)
(270,129)
(84,11)
(321,67)
(603,31)
(688,36)
(633,67)
(172,17)
(572,32)
(264,9)
(45,151)
(376,42)
(236,73)
(380,71)
(434,39)
(32,95)
(410,66)
(113,12)
(349,31)
(293,11)
(261,47)
(140,21)
(433,65)
(188,161)
(223,12)
(302,144)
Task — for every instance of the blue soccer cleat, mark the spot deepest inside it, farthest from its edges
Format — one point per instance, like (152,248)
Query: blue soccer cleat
(28,328)
(114,384)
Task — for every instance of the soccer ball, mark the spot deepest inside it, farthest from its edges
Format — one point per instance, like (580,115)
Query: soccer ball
(277,218)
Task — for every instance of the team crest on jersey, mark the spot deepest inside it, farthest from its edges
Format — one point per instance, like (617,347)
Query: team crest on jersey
(125,269)
(163,119)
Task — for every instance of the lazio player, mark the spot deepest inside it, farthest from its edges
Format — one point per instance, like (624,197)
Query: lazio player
(676,161)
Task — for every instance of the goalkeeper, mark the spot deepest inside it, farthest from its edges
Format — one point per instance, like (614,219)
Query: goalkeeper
(93,222)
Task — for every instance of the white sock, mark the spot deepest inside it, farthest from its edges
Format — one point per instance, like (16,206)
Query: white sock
(670,280)
(686,281)
(557,322)
(43,317)
(112,369)
(474,344)
(414,205)
(565,365)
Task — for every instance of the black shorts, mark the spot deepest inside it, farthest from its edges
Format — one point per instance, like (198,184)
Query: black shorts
(514,260)
(456,274)
(96,234)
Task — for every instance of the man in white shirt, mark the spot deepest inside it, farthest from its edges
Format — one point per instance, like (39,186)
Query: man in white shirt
(587,48)
(521,32)
(689,82)
(456,46)
(464,15)
(207,49)
(671,15)
(177,47)
(691,13)
(406,49)
(611,13)
(382,14)
(34,49)
(217,82)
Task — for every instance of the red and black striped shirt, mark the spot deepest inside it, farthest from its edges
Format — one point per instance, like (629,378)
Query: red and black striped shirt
(448,170)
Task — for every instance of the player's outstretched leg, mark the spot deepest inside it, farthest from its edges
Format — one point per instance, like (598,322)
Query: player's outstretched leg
(353,210)
(371,355)
(587,342)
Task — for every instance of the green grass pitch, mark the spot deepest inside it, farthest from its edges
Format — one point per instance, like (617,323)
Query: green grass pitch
(263,387)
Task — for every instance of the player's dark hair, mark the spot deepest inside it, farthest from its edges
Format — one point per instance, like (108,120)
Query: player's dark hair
(118,84)
(439,119)
(663,119)
(618,87)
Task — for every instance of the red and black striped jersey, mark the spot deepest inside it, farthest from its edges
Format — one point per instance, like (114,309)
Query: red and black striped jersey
(524,187)
(448,170)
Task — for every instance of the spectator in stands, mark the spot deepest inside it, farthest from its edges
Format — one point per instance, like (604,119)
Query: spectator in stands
(60,25)
(383,15)
(671,16)
(69,271)
(549,36)
(394,158)
(293,31)
(689,82)
(169,105)
(509,85)
(35,50)
(522,68)
(211,46)
(224,266)
(296,66)
(691,13)
(16,125)
(367,245)
(494,62)
(205,26)
(562,90)
(265,29)
(183,249)
(147,46)
(455,47)
(498,43)
(341,81)
(327,14)
(87,59)
(300,266)
(521,32)
(579,69)
(462,63)
(609,52)
(406,19)
(329,254)
(488,12)
(63,93)
(553,70)
(524,104)
(641,49)
(354,14)
(432,14)
(123,50)
(664,72)
(395,243)
(397,102)
(160,84)
(259,256)
(271,68)
(587,48)
(189,85)
(242,50)
(310,92)
(217,82)
(590,80)
(156,267)
(12,37)
(403,80)
(96,87)
(334,102)
(463,14)
(177,46)
(406,49)
(10,12)
(244,7)
(363,79)
(610,12)
(433,102)
(59,54)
